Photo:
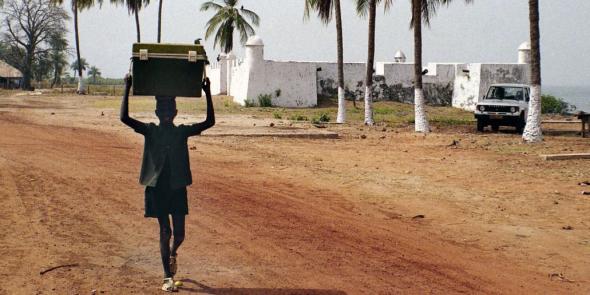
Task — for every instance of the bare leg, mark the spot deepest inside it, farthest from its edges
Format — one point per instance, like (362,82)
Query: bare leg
(178,223)
(165,233)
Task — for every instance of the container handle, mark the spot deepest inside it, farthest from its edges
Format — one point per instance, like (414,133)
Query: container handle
(143,54)
(192,56)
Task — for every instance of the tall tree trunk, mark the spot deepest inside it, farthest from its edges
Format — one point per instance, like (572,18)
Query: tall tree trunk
(136,12)
(341,117)
(28,69)
(370,62)
(420,120)
(532,131)
(55,75)
(81,89)
(160,21)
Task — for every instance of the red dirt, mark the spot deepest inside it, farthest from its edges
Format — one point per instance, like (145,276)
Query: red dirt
(291,216)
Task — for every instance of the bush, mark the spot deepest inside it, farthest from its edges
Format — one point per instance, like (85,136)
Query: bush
(322,118)
(249,103)
(555,105)
(265,100)
(298,117)
(277,115)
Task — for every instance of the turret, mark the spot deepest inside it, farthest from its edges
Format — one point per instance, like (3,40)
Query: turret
(524,53)
(254,51)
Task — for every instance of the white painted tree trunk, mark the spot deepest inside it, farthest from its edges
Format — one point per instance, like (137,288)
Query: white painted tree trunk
(532,131)
(369,107)
(341,107)
(81,87)
(420,120)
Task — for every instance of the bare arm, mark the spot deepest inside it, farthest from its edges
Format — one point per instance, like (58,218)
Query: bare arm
(138,126)
(209,122)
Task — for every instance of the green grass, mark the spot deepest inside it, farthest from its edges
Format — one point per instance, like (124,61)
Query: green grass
(389,113)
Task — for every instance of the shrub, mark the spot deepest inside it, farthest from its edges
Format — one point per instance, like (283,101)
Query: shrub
(265,100)
(552,105)
(298,117)
(249,103)
(277,115)
(322,118)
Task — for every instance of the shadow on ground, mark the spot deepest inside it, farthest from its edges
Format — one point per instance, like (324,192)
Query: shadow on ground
(193,286)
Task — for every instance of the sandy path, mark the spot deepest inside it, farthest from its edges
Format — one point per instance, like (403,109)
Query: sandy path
(259,223)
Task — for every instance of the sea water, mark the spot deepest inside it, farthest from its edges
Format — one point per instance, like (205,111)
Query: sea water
(576,95)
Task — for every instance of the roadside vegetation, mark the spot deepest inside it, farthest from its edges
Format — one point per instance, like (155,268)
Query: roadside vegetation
(392,114)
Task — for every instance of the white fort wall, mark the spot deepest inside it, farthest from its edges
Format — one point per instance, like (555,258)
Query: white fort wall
(473,80)
(298,84)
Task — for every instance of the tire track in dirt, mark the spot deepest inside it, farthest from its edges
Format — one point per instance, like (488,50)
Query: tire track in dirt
(249,228)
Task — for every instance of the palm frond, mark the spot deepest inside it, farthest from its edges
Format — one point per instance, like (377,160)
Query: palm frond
(324,9)
(210,5)
(244,28)
(226,20)
(251,15)
(214,23)
(429,9)
(362,6)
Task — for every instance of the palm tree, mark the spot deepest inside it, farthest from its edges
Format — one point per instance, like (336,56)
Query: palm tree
(226,19)
(362,8)
(77,65)
(160,21)
(325,8)
(133,7)
(94,72)
(58,49)
(422,11)
(77,6)
(532,131)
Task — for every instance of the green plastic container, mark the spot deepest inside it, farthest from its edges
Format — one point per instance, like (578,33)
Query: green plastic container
(168,69)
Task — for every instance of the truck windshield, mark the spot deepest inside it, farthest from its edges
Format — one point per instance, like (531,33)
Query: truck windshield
(505,92)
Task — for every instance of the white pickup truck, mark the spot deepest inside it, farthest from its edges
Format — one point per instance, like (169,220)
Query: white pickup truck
(503,105)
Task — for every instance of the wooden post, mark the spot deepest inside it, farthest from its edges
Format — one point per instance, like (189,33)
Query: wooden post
(584,118)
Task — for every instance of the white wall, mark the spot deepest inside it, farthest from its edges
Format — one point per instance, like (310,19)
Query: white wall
(239,83)
(471,86)
(298,84)
(291,84)
(354,74)
(214,74)
(466,90)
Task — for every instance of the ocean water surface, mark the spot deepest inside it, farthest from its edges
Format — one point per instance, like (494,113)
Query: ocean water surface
(576,95)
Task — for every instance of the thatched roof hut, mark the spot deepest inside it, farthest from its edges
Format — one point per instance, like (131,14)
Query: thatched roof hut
(10,77)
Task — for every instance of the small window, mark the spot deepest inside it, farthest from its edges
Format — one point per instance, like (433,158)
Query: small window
(526,95)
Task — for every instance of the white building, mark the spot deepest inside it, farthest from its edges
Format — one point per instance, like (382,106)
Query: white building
(298,84)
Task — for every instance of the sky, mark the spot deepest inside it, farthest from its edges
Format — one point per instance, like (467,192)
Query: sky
(484,31)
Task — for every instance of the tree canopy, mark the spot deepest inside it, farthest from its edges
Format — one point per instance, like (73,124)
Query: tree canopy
(226,20)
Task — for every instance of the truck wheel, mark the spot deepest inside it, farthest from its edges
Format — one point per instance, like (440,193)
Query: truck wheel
(480,125)
(495,127)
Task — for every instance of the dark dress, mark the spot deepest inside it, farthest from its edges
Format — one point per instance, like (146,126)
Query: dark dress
(162,199)
(165,168)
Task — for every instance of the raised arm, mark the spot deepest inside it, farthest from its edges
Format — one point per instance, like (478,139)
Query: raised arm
(138,126)
(209,122)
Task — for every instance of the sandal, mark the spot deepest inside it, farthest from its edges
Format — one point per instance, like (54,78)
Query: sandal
(169,285)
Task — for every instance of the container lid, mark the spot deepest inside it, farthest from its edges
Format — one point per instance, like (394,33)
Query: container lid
(170,48)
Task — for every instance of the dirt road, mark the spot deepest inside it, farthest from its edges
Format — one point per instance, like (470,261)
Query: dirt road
(290,216)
